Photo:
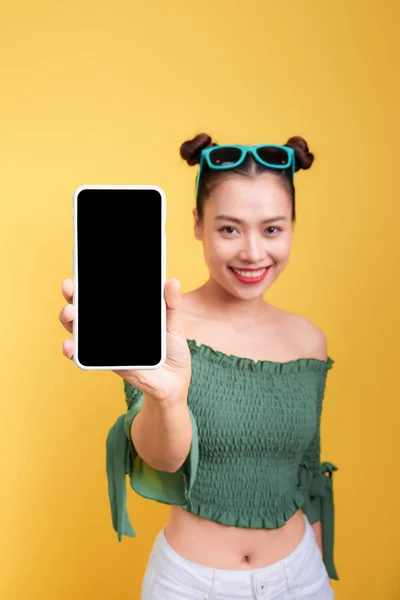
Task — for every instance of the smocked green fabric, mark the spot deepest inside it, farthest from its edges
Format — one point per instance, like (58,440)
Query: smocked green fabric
(254,458)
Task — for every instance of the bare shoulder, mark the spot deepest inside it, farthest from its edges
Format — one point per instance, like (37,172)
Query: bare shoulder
(307,335)
(189,306)
(288,331)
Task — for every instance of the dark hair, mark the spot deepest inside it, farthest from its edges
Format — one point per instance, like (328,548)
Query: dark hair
(210,178)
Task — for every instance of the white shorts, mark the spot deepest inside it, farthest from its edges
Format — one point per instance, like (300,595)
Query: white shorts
(301,574)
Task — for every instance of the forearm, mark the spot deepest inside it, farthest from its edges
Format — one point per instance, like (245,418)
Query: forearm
(162,433)
(318,533)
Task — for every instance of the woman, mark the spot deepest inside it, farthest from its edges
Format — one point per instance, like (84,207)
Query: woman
(227,430)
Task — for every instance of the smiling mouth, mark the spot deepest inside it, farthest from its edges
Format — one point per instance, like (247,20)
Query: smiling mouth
(249,271)
(250,276)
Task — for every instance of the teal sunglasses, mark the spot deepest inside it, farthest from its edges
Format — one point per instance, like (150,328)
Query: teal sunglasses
(230,156)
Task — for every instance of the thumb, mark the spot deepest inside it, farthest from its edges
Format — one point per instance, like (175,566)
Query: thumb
(173,300)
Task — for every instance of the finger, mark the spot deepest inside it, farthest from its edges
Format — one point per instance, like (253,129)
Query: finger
(173,300)
(67,316)
(67,288)
(68,349)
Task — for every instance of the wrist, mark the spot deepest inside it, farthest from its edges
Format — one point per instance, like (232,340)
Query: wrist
(177,399)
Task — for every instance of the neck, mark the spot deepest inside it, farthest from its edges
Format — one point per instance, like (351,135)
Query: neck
(223,306)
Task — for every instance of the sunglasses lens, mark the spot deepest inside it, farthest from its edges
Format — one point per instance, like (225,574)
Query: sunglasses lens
(222,156)
(274,156)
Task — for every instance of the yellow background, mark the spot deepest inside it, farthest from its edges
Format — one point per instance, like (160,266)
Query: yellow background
(98,92)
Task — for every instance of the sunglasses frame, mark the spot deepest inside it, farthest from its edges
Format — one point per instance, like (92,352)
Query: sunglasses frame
(205,155)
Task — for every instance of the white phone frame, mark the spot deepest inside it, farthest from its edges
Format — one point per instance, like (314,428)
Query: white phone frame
(75,277)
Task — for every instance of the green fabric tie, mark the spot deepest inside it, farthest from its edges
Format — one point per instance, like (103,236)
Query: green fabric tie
(327,518)
(318,489)
(118,464)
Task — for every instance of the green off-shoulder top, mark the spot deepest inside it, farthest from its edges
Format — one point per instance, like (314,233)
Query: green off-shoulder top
(254,458)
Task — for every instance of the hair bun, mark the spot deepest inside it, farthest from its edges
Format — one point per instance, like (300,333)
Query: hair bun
(304,158)
(191,149)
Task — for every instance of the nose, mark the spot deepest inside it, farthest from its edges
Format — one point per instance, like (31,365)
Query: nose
(253,249)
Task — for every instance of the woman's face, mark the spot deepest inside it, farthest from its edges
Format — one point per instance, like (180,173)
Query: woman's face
(250,243)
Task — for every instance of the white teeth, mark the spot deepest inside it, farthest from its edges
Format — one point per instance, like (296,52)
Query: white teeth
(249,274)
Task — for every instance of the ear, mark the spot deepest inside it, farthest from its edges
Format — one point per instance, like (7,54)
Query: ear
(198,228)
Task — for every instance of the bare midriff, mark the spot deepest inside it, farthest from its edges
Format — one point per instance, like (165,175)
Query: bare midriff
(220,546)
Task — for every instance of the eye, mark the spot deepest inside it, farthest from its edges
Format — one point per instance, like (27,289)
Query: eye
(230,227)
(226,227)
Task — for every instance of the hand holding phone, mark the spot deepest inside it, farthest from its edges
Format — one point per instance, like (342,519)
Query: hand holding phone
(165,382)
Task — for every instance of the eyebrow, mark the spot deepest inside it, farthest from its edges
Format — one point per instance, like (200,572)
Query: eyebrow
(235,220)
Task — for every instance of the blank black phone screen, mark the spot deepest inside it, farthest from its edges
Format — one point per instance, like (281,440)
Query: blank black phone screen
(119,245)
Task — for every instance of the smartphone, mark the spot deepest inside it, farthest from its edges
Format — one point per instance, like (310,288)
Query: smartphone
(119,259)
